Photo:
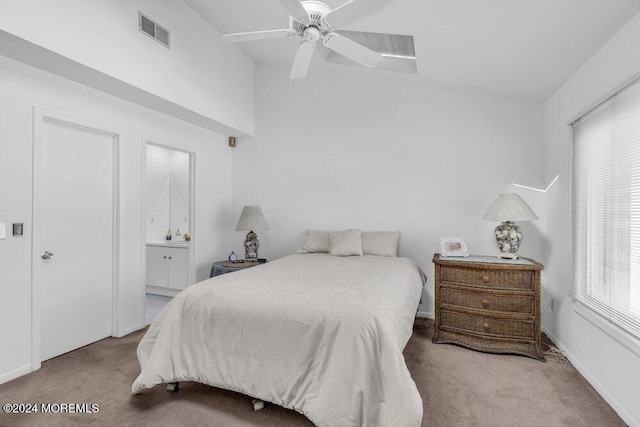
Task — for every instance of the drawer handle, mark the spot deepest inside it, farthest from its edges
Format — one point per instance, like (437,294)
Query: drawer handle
(485,302)
(485,326)
(485,278)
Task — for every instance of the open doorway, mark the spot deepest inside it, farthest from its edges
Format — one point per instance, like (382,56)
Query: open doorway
(169,224)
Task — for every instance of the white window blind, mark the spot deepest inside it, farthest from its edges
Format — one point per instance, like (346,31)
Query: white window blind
(605,210)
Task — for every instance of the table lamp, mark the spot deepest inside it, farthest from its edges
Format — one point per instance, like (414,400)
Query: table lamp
(509,207)
(251,219)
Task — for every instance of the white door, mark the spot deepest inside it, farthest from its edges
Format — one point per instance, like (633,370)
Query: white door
(74,221)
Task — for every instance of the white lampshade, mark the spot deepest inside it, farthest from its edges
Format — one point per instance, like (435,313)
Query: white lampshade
(509,207)
(251,218)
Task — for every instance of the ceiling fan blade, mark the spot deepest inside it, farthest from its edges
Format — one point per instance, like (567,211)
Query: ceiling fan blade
(354,11)
(259,35)
(322,51)
(303,59)
(295,9)
(352,50)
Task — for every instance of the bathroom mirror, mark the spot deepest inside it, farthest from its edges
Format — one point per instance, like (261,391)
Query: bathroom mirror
(167,194)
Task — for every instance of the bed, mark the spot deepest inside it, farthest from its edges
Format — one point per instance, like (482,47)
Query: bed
(319,334)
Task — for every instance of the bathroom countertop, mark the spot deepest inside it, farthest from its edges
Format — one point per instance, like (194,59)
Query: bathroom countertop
(170,243)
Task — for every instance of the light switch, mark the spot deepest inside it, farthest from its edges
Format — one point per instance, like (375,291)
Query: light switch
(3,231)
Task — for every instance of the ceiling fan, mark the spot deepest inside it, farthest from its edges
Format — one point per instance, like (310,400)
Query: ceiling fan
(312,20)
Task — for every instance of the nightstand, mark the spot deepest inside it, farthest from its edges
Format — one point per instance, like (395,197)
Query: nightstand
(223,267)
(488,304)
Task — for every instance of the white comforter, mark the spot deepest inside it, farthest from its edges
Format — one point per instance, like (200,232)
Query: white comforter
(318,334)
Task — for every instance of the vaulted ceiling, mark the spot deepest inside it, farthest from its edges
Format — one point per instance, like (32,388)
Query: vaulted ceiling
(510,47)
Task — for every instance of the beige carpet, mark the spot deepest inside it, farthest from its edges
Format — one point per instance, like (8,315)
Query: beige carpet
(459,387)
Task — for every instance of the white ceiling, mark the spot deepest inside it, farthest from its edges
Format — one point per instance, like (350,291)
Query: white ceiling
(510,47)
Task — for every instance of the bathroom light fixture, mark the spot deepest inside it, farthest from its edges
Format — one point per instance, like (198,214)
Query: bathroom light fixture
(251,219)
(509,207)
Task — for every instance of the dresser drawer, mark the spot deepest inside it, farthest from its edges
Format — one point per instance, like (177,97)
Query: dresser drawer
(485,300)
(493,279)
(512,328)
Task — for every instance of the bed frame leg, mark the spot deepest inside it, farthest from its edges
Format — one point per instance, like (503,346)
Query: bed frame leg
(173,386)
(259,404)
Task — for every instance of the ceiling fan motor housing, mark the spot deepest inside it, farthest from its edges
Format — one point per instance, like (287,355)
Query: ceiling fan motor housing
(316,11)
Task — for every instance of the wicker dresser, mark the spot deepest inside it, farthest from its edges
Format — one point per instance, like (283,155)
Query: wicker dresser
(488,304)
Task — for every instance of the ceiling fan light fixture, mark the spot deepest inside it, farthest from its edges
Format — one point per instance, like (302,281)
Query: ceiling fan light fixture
(311,34)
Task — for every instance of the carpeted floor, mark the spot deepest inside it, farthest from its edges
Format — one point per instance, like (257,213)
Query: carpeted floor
(459,387)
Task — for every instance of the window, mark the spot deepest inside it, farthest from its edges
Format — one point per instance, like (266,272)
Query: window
(605,210)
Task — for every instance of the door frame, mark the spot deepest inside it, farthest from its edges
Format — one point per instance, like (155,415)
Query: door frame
(40,117)
(149,140)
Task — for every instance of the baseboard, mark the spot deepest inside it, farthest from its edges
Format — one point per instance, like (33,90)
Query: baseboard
(11,375)
(602,391)
(132,329)
(165,292)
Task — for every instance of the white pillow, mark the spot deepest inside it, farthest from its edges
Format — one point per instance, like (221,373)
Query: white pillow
(380,243)
(345,243)
(315,241)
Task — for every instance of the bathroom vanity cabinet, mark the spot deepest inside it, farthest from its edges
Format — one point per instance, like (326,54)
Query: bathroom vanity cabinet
(167,268)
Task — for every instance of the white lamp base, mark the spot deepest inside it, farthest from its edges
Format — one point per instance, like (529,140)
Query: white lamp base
(504,255)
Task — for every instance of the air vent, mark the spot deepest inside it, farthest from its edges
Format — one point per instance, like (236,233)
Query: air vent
(153,30)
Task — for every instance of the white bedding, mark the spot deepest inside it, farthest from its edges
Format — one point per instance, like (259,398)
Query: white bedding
(319,334)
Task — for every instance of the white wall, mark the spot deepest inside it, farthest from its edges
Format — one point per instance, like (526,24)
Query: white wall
(200,72)
(23,88)
(612,368)
(342,149)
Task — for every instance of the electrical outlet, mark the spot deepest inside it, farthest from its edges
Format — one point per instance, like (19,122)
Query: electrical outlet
(551,305)
(18,229)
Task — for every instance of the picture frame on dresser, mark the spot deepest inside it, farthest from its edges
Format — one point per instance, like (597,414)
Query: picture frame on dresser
(453,247)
